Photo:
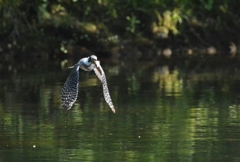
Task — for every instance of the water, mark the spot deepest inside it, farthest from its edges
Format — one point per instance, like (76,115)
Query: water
(165,111)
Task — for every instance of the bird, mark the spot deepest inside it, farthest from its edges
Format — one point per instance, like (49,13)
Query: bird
(69,91)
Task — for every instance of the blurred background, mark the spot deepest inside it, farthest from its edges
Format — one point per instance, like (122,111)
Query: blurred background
(53,28)
(172,69)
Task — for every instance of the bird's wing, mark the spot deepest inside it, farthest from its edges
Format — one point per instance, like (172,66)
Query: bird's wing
(70,89)
(101,75)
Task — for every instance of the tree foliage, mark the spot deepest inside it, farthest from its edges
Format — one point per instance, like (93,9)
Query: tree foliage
(89,22)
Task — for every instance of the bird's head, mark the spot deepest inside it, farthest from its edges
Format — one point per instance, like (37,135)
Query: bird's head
(92,58)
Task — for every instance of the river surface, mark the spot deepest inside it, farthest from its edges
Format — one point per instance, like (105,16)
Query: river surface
(166,111)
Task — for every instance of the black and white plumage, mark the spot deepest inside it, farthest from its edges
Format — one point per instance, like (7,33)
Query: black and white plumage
(70,89)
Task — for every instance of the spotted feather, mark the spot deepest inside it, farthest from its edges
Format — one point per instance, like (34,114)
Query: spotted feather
(101,75)
(70,89)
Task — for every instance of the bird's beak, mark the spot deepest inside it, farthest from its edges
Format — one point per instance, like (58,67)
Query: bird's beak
(97,63)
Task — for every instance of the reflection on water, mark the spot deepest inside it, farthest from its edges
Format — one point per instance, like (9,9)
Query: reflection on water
(163,113)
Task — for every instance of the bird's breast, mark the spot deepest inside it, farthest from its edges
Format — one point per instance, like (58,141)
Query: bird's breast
(88,68)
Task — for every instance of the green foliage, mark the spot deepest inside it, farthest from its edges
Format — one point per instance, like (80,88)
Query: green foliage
(133,21)
(166,23)
(64,19)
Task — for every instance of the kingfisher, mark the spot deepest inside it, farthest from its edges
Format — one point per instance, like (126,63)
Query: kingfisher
(70,89)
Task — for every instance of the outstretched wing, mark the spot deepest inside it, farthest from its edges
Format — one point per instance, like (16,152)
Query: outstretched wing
(70,89)
(101,75)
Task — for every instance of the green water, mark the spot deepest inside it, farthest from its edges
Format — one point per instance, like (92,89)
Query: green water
(173,111)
